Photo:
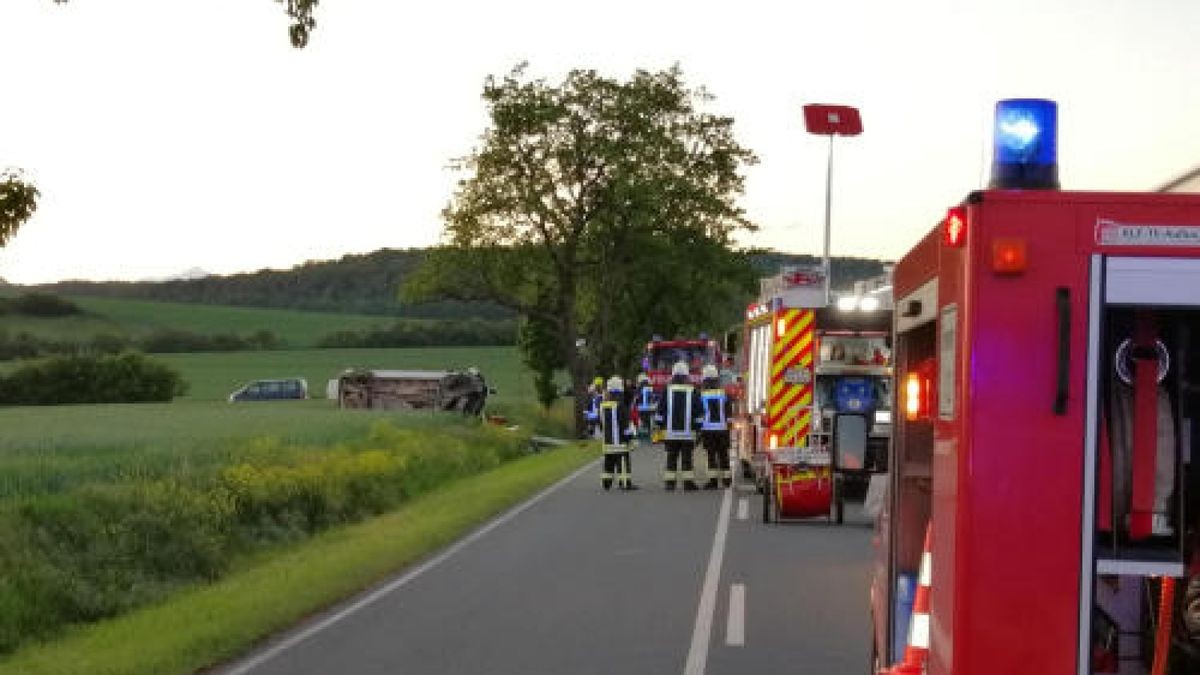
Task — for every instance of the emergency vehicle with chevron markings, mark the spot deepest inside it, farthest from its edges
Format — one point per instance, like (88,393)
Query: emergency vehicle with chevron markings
(816,412)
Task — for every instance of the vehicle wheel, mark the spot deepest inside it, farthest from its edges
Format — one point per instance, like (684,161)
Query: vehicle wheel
(766,502)
(839,500)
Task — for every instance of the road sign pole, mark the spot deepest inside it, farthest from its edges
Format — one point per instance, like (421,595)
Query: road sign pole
(826,266)
(830,120)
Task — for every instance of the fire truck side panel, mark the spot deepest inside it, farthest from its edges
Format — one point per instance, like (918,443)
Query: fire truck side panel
(903,519)
(948,509)
(1018,483)
(758,340)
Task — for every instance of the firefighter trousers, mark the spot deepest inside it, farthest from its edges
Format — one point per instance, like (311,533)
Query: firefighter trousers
(618,466)
(679,464)
(716,446)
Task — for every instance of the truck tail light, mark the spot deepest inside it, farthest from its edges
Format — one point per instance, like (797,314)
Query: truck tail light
(773,442)
(954,227)
(1009,256)
(912,396)
(780,327)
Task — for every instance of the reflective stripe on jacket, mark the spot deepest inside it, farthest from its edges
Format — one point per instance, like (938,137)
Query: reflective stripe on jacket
(714,403)
(646,398)
(614,423)
(678,412)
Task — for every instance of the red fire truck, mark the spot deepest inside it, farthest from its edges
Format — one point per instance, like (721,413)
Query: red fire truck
(816,412)
(1047,351)
(662,354)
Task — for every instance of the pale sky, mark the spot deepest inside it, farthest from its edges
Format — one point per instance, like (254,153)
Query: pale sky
(170,134)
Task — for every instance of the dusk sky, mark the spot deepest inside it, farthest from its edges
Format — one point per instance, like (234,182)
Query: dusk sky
(171,134)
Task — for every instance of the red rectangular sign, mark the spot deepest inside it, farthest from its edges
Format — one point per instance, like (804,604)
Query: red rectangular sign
(842,120)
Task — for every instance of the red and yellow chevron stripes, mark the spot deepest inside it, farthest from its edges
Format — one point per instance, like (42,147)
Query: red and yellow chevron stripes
(789,404)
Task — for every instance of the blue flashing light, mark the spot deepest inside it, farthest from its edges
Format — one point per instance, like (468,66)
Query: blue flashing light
(1026,144)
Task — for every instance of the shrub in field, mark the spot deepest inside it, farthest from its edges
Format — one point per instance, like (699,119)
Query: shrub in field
(469,333)
(125,378)
(46,305)
(172,341)
(19,346)
(99,550)
(25,345)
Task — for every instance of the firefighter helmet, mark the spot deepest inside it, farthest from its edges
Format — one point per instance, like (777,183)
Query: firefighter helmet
(710,372)
(615,383)
(599,382)
(680,368)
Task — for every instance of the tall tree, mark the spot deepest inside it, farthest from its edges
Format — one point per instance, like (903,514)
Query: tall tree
(18,201)
(597,209)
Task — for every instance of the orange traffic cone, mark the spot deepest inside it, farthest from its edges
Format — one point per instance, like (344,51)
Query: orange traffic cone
(917,650)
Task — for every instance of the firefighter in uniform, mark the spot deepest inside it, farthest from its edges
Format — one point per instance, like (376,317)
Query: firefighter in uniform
(714,430)
(680,415)
(646,402)
(591,410)
(617,433)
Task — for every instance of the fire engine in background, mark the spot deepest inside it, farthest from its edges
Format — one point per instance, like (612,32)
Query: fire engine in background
(662,354)
(1044,481)
(815,417)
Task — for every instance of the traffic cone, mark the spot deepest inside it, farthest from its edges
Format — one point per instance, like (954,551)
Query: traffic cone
(916,652)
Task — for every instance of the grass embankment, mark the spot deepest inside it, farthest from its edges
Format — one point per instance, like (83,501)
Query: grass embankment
(205,625)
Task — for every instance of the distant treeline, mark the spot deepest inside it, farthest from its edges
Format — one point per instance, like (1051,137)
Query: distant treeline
(368,284)
(469,332)
(465,333)
(23,345)
(355,284)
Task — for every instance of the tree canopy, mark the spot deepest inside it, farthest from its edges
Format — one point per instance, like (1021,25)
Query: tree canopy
(18,201)
(598,209)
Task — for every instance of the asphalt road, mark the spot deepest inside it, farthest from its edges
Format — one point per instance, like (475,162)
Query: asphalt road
(586,581)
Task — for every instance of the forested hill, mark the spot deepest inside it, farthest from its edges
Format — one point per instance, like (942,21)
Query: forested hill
(364,284)
(355,284)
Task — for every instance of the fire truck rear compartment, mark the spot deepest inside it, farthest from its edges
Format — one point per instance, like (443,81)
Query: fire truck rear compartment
(1130,568)
(913,434)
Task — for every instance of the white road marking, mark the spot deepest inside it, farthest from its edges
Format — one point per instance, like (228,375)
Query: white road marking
(271,652)
(697,658)
(735,625)
(743,508)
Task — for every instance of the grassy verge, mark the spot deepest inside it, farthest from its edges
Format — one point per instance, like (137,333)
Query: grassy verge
(207,625)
